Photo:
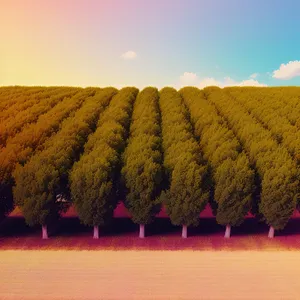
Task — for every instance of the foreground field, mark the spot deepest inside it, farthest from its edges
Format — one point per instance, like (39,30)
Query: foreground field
(149,275)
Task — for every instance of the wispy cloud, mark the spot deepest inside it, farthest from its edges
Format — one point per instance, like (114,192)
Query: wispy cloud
(288,71)
(129,55)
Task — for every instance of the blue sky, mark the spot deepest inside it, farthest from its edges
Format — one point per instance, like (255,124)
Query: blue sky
(141,43)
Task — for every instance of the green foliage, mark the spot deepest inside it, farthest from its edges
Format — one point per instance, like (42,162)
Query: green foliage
(142,170)
(93,178)
(233,178)
(187,194)
(35,191)
(20,147)
(277,170)
(45,175)
(267,108)
(17,99)
(43,130)
(186,197)
(10,126)
(233,188)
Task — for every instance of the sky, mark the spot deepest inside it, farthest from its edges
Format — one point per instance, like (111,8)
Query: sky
(149,43)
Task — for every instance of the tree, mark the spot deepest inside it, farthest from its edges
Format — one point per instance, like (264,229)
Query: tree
(23,145)
(12,126)
(93,179)
(232,178)
(44,176)
(142,167)
(277,170)
(266,110)
(187,194)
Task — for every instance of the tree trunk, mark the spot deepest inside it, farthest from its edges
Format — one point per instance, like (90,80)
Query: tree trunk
(184,231)
(142,231)
(44,232)
(227,232)
(271,232)
(96,232)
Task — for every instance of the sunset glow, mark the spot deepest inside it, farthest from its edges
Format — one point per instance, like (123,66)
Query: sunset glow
(84,43)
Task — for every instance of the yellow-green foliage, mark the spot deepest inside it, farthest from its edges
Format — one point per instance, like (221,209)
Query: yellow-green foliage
(233,179)
(11,126)
(16,99)
(142,171)
(267,109)
(44,176)
(276,168)
(187,194)
(93,177)
(20,147)
(46,128)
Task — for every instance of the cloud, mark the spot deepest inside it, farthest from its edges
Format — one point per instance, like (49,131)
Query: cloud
(287,71)
(227,81)
(189,78)
(209,81)
(254,75)
(129,55)
(251,82)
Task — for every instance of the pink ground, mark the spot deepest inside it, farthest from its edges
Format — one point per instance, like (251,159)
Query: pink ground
(161,235)
(138,275)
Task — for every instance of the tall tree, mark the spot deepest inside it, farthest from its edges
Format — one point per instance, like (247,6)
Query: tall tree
(277,170)
(233,179)
(142,170)
(45,175)
(12,126)
(187,194)
(94,177)
(32,138)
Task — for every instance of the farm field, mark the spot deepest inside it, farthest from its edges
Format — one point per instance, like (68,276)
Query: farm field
(149,150)
(117,275)
(235,150)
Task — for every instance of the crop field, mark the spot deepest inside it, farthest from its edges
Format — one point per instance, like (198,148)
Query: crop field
(129,173)
(149,150)
(234,151)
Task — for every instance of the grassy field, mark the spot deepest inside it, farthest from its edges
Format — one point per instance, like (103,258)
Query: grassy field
(149,275)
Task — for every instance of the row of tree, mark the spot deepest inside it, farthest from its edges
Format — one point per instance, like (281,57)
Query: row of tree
(142,172)
(18,103)
(31,139)
(233,179)
(184,149)
(94,178)
(285,100)
(290,98)
(45,176)
(187,193)
(275,167)
(12,126)
(268,113)
(10,96)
